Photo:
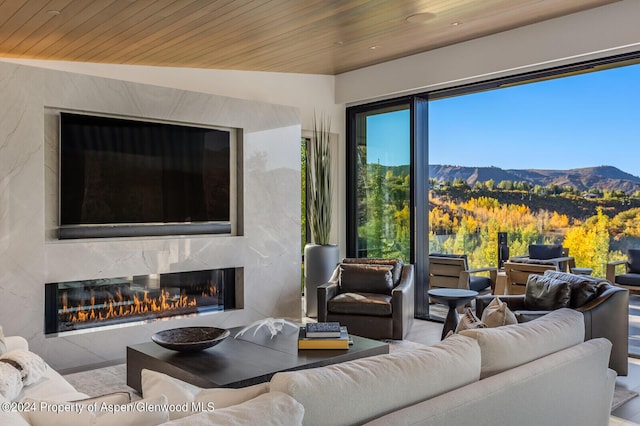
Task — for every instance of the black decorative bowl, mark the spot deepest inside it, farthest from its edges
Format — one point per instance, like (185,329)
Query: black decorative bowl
(188,339)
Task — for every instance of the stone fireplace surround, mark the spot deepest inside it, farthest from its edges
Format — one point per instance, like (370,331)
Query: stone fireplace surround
(265,244)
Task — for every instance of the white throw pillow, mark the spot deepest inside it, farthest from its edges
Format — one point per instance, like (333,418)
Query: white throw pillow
(268,409)
(3,344)
(10,381)
(497,314)
(180,393)
(32,368)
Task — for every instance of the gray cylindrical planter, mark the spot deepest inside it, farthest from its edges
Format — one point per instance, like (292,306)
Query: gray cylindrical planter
(319,264)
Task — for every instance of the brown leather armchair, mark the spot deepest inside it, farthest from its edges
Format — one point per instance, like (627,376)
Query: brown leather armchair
(373,297)
(606,315)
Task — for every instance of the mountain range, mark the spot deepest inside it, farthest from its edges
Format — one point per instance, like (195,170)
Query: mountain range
(584,179)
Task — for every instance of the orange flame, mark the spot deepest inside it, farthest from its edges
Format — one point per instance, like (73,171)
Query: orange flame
(118,307)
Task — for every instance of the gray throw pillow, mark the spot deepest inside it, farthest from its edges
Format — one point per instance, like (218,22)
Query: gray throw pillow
(544,293)
(583,287)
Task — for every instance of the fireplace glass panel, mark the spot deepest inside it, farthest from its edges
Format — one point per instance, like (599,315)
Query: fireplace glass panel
(77,305)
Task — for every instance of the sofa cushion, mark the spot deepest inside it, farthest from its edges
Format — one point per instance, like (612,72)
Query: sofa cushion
(633,260)
(497,314)
(546,293)
(139,413)
(363,389)
(359,278)
(508,347)
(545,251)
(584,288)
(268,409)
(11,416)
(361,304)
(179,393)
(397,265)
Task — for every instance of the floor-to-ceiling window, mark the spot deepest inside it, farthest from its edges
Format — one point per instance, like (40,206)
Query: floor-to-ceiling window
(496,200)
(382,189)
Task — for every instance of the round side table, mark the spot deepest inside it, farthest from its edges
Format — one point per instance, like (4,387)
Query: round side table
(452,297)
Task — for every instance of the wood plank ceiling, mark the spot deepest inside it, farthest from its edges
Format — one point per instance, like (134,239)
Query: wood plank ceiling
(301,36)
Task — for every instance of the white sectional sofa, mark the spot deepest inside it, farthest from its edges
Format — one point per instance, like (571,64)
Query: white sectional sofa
(540,372)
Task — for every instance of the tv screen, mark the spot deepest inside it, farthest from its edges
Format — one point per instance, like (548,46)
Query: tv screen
(126,178)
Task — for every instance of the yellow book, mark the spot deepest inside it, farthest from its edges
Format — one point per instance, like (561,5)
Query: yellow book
(341,342)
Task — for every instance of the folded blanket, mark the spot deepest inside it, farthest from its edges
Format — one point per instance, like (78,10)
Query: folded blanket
(30,365)
(10,381)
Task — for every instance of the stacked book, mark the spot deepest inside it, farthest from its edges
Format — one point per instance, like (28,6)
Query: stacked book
(323,335)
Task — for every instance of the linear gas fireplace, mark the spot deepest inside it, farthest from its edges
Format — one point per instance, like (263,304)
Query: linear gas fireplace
(78,305)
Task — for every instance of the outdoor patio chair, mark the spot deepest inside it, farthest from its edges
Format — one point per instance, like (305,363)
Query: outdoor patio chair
(452,271)
(518,274)
(630,279)
(546,254)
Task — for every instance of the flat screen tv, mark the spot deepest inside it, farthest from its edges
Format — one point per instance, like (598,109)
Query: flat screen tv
(121,177)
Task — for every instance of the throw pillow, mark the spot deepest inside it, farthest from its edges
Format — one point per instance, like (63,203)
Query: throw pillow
(178,393)
(361,278)
(3,344)
(497,314)
(544,293)
(10,381)
(30,365)
(469,321)
(584,288)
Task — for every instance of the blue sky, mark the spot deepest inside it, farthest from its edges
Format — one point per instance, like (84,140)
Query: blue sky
(586,120)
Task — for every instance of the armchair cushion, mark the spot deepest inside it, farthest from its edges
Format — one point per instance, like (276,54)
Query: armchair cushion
(633,263)
(361,304)
(478,282)
(545,251)
(361,278)
(628,279)
(545,293)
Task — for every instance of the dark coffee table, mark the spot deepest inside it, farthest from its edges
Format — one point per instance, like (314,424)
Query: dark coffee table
(240,362)
(452,297)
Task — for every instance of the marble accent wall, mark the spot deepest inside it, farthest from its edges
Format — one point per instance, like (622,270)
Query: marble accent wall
(267,244)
